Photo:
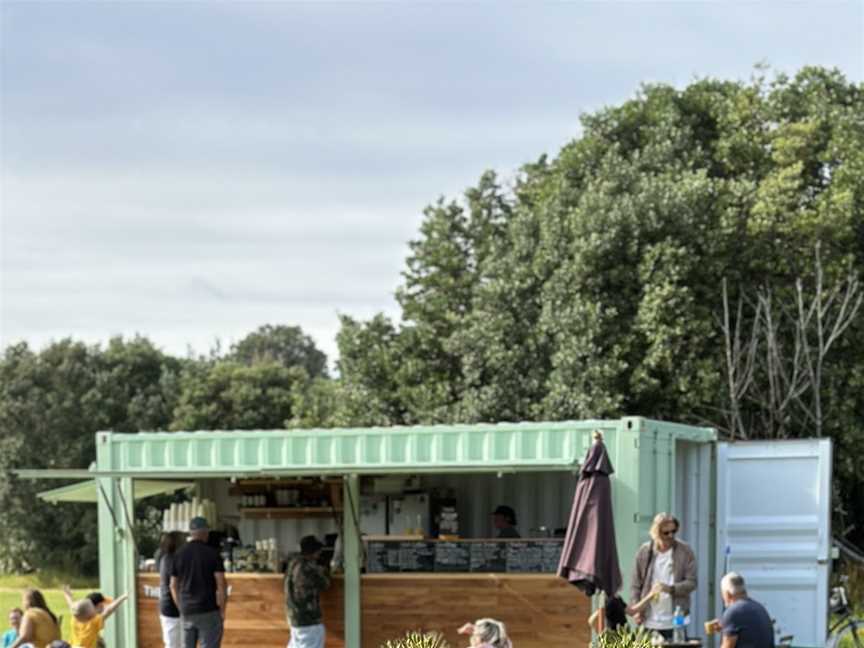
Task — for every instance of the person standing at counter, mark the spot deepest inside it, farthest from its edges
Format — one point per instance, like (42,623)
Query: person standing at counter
(305,579)
(169,615)
(504,519)
(665,570)
(199,589)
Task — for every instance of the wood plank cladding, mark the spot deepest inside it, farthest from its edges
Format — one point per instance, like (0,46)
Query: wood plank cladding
(540,610)
(256,612)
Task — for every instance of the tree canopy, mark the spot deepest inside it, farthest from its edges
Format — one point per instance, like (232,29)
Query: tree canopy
(52,402)
(592,286)
(284,345)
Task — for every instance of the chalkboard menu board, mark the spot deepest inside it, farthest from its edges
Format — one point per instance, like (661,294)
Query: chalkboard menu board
(524,557)
(415,556)
(515,556)
(489,556)
(376,557)
(452,556)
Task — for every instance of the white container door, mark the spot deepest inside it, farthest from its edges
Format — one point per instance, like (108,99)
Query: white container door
(774,528)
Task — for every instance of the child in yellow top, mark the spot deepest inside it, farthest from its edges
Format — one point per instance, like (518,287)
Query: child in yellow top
(87,623)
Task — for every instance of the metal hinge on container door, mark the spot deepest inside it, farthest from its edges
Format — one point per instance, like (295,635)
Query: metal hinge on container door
(636,442)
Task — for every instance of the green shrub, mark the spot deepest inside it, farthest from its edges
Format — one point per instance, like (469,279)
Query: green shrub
(624,638)
(418,640)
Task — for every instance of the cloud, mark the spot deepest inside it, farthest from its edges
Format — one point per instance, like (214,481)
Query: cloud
(191,171)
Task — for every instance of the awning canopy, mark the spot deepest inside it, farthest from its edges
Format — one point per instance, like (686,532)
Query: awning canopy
(88,491)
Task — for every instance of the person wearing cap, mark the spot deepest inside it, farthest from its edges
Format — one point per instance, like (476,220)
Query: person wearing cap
(504,519)
(199,589)
(305,579)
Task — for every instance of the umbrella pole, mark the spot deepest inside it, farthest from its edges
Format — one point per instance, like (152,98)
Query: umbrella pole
(597,620)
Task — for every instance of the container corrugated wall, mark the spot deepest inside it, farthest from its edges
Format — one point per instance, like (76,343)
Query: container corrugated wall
(436,448)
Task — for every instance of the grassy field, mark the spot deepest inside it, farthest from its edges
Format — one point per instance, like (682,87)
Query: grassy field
(47,580)
(49,583)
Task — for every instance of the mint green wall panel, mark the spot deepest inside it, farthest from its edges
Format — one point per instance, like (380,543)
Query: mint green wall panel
(157,451)
(476,442)
(426,448)
(179,456)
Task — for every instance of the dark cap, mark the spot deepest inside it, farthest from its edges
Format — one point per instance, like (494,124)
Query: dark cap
(310,544)
(198,524)
(507,512)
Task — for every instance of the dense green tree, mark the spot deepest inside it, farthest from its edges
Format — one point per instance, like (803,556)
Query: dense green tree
(444,271)
(52,403)
(224,395)
(593,287)
(369,360)
(315,402)
(284,345)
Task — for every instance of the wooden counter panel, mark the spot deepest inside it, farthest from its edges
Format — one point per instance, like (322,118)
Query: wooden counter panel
(541,611)
(256,613)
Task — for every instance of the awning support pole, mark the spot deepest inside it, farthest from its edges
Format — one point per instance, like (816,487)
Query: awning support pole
(353,553)
(129,557)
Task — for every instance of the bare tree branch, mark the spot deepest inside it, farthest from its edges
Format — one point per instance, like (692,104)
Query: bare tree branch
(775,370)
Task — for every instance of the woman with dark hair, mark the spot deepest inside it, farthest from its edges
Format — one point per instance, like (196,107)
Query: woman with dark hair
(169,615)
(39,625)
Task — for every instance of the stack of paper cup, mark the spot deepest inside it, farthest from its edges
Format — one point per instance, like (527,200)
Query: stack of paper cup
(179,514)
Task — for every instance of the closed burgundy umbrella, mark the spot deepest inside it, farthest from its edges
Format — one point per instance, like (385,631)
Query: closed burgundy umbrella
(589,559)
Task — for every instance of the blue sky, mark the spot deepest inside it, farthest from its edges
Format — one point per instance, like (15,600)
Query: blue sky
(192,170)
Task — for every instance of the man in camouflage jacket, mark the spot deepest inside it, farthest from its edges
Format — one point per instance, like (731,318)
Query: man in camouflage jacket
(304,582)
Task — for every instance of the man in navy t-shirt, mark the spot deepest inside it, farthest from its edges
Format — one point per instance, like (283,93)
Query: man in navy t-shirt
(198,588)
(745,623)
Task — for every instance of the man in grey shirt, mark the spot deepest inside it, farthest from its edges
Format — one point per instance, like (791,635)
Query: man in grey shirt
(745,623)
